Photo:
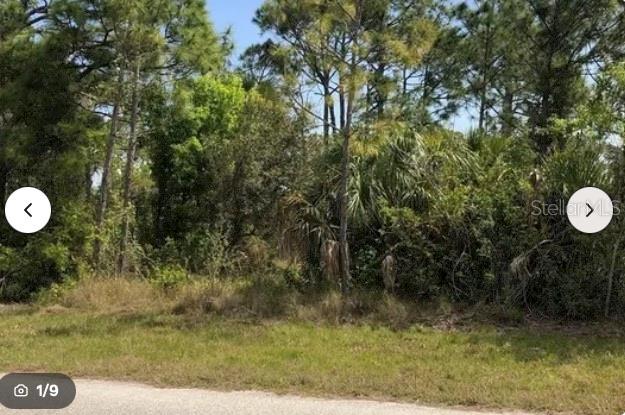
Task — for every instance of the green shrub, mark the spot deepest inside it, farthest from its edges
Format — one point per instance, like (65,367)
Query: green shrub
(57,292)
(169,276)
(37,265)
(368,263)
(200,252)
(291,272)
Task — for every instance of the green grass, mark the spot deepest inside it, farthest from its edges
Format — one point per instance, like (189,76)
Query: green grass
(483,366)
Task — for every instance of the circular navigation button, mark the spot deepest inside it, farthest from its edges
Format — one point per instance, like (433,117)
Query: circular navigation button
(590,210)
(28,210)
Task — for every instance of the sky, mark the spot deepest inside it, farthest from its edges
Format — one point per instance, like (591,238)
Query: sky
(237,14)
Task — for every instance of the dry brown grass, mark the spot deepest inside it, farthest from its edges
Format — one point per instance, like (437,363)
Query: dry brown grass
(208,296)
(240,298)
(257,298)
(112,295)
(266,298)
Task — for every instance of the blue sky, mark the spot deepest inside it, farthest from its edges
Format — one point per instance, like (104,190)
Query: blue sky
(238,14)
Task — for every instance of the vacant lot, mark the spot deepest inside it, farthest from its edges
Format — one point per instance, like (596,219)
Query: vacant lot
(483,366)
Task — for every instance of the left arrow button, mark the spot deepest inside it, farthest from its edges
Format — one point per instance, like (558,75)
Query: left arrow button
(28,210)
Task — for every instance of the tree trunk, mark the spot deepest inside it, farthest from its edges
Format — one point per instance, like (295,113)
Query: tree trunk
(404,82)
(508,112)
(4,178)
(130,159)
(342,108)
(326,113)
(381,93)
(343,205)
(106,172)
(325,84)
(484,76)
(344,185)
(608,296)
(482,118)
(341,89)
(425,96)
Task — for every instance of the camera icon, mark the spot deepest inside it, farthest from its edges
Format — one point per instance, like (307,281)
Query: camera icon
(20,391)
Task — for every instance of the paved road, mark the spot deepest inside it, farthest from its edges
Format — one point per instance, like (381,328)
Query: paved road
(112,398)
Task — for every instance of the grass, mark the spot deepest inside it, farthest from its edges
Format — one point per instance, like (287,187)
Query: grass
(244,335)
(484,366)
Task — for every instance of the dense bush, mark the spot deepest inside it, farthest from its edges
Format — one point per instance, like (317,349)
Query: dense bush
(41,260)
(163,163)
(463,219)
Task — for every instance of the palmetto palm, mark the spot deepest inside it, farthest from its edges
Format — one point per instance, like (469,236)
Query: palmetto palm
(399,168)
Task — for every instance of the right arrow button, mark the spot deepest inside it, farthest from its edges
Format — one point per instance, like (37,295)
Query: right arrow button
(590,210)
